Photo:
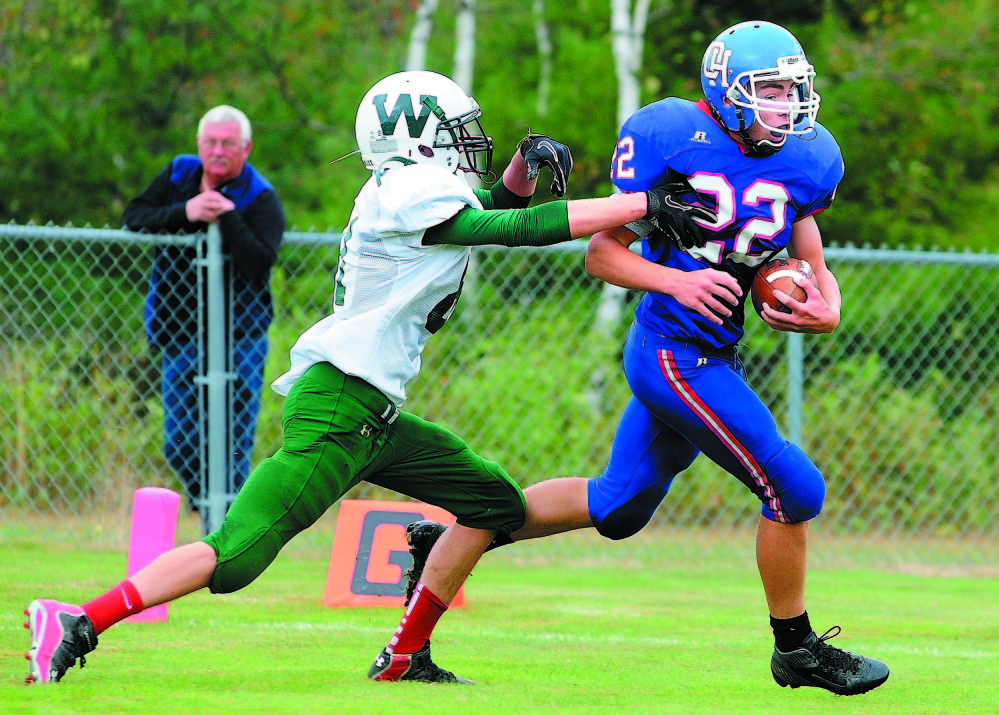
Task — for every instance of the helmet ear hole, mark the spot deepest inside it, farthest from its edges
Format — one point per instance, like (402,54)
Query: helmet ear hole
(426,151)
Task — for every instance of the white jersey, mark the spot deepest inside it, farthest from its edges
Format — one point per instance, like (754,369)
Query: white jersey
(392,292)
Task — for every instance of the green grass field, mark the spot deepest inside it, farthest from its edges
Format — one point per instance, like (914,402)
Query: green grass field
(540,634)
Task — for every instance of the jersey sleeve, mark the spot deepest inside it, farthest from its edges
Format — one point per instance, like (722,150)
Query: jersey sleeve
(644,147)
(543,225)
(827,155)
(641,157)
(635,166)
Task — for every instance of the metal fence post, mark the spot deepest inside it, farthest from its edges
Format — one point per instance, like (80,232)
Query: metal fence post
(795,386)
(218,447)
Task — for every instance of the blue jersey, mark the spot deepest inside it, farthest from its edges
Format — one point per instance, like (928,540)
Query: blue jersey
(757,201)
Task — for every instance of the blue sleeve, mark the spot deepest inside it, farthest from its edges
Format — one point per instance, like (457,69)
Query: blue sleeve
(829,157)
(643,148)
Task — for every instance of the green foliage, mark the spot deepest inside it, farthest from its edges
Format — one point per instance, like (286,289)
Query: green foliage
(99,94)
(916,119)
(918,332)
(75,428)
(102,94)
(889,449)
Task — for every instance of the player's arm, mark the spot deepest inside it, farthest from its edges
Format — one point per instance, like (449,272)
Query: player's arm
(710,292)
(501,196)
(543,225)
(820,311)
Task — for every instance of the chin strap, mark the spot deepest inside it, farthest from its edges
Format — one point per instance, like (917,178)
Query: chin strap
(752,148)
(381,167)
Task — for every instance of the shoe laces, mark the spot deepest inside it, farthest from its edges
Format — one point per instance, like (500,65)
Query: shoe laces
(436,673)
(836,658)
(443,675)
(80,642)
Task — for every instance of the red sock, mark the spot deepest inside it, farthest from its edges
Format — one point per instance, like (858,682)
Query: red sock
(117,604)
(425,609)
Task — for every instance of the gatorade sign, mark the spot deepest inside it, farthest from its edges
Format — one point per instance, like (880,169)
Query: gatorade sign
(370,554)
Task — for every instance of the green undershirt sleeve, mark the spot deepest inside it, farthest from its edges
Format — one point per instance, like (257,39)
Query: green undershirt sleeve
(500,197)
(542,225)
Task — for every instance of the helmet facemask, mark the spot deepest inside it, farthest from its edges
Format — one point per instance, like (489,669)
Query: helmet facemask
(737,68)
(465,134)
(801,108)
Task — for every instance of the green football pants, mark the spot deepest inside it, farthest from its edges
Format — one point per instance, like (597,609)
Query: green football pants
(339,431)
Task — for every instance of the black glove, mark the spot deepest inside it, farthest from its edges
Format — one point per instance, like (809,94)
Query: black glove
(541,150)
(674,216)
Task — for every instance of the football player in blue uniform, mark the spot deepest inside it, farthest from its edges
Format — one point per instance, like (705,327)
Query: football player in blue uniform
(747,169)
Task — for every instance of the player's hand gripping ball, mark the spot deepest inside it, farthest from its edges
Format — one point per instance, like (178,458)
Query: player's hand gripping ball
(779,274)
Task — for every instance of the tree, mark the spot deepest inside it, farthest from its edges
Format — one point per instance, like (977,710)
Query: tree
(420,35)
(464,45)
(544,55)
(628,29)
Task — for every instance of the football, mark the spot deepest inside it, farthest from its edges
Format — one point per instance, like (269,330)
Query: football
(779,274)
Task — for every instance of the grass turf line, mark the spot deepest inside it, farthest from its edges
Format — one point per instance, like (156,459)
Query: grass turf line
(691,638)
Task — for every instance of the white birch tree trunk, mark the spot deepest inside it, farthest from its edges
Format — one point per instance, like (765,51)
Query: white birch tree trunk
(464,46)
(628,32)
(464,57)
(463,74)
(544,56)
(416,58)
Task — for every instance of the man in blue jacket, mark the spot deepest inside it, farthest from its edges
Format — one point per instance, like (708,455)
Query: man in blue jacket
(216,186)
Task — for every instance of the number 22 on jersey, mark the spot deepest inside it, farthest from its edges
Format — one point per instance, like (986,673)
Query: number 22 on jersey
(760,228)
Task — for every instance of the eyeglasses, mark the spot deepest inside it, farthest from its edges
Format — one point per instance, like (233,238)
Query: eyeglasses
(228,144)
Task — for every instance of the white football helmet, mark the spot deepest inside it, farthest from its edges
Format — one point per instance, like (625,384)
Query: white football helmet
(421,118)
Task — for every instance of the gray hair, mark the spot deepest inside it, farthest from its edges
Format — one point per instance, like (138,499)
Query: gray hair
(225,113)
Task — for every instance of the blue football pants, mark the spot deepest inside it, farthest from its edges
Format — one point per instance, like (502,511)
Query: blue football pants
(687,400)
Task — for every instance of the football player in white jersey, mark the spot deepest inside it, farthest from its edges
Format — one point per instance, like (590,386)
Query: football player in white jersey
(403,256)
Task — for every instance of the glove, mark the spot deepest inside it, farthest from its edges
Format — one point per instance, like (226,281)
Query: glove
(674,216)
(541,150)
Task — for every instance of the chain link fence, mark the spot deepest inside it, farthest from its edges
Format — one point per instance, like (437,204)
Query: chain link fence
(898,407)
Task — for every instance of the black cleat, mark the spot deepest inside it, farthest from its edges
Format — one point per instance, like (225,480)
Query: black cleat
(393,667)
(819,665)
(421,536)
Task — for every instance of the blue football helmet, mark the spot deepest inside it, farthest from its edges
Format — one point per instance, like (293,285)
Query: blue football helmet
(741,57)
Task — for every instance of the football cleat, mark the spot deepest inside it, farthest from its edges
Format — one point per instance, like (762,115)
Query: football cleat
(60,633)
(819,665)
(393,667)
(421,536)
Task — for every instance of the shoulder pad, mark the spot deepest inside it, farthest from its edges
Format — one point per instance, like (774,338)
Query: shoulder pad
(424,195)
(648,139)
